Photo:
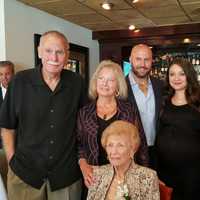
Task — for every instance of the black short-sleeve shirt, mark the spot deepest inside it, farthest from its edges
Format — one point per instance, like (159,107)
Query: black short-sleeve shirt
(44,122)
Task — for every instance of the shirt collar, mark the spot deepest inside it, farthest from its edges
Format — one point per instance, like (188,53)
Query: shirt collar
(132,80)
(36,77)
(3,87)
(39,80)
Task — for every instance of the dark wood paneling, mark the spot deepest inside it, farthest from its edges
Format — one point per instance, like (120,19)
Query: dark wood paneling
(147,32)
(116,45)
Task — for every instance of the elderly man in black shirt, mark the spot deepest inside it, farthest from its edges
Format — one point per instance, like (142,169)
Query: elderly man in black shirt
(38,118)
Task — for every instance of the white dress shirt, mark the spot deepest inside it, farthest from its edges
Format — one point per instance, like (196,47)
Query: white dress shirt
(146,106)
(3,91)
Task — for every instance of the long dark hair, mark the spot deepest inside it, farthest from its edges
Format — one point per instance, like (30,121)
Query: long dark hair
(192,91)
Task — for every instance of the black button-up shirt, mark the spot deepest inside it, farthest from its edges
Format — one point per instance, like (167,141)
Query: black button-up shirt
(44,121)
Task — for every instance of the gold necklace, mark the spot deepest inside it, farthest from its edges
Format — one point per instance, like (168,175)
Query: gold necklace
(106,112)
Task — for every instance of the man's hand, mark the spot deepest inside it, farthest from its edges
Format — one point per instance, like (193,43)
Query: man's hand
(8,137)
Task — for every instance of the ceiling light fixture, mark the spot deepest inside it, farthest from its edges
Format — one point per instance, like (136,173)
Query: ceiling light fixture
(187,40)
(135,1)
(137,30)
(131,27)
(106,5)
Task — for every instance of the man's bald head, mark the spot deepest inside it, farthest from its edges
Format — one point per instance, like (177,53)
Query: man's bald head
(141,60)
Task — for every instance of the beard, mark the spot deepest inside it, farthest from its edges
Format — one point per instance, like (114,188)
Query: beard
(140,74)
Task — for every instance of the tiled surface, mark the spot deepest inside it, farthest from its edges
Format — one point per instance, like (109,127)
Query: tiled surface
(145,13)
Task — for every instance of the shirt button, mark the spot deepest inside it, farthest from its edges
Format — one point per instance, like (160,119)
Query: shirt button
(52,126)
(50,157)
(51,142)
(51,110)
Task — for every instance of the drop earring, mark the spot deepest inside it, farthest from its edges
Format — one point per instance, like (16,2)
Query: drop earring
(117,93)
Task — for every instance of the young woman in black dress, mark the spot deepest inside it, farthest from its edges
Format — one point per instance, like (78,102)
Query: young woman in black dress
(178,139)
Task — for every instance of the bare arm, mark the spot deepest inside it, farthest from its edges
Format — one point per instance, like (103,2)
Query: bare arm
(87,171)
(8,137)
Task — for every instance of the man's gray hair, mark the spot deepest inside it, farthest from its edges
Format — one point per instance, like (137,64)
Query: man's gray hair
(8,63)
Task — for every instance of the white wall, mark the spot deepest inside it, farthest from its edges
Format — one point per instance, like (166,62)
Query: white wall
(2,32)
(22,21)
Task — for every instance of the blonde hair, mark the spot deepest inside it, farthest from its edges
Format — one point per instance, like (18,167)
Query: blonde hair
(120,128)
(117,70)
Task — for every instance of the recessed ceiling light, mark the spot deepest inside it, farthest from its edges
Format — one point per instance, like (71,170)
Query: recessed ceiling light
(187,40)
(137,30)
(131,27)
(135,1)
(106,5)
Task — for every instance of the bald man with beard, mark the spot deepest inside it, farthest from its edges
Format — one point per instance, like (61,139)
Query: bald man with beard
(145,93)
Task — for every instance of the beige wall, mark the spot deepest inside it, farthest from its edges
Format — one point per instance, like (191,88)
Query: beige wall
(2,32)
(22,21)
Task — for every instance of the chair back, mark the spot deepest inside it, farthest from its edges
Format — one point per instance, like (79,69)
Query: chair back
(165,192)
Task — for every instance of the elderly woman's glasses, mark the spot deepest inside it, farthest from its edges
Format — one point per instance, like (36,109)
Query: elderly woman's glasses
(116,146)
(105,80)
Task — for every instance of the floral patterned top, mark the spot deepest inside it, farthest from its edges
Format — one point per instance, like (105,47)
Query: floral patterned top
(142,183)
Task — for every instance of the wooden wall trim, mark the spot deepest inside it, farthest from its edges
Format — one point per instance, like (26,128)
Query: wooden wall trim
(146,32)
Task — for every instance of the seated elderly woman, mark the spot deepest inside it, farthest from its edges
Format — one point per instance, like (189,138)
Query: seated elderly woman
(123,179)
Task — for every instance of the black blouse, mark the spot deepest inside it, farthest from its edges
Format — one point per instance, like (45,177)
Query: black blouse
(178,148)
(103,124)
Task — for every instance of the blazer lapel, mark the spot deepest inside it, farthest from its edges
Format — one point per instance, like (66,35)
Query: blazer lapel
(1,96)
(105,183)
(157,95)
(131,96)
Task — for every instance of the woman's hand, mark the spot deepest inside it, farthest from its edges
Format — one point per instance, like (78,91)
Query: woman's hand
(87,171)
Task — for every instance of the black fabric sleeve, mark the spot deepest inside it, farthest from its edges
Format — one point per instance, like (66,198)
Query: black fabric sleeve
(8,114)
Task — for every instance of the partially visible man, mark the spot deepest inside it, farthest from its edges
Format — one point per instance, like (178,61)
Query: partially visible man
(6,73)
(38,117)
(145,92)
